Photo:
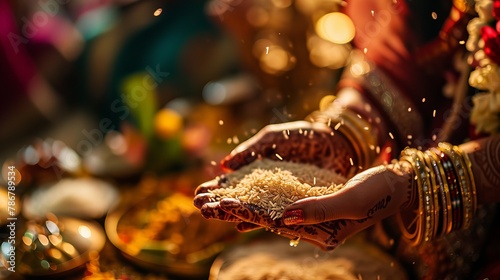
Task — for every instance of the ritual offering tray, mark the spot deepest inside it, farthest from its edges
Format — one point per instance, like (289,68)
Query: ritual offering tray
(167,234)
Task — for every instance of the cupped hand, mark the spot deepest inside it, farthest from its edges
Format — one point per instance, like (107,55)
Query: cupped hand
(325,221)
(251,217)
(300,141)
(374,194)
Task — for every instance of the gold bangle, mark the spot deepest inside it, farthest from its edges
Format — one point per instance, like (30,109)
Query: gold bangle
(434,192)
(470,197)
(413,237)
(468,165)
(429,210)
(426,210)
(356,129)
(447,220)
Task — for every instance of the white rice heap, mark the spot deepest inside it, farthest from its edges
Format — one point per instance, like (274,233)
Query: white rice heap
(273,185)
(266,266)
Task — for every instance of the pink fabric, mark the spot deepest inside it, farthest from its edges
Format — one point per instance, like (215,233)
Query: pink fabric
(16,66)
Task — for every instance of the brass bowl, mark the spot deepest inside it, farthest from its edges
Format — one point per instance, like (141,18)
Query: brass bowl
(178,241)
(63,252)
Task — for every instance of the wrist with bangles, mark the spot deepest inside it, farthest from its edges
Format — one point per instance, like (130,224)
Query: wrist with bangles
(360,133)
(446,193)
(444,185)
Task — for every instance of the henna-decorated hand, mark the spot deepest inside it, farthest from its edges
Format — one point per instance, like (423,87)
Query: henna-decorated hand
(327,220)
(250,217)
(300,141)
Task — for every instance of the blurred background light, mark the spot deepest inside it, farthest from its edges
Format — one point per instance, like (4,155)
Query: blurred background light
(335,27)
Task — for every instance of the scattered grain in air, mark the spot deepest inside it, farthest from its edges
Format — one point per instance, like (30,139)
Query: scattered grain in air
(331,133)
(350,160)
(300,130)
(252,154)
(337,126)
(236,140)
(372,147)
(288,131)
(409,109)
(278,156)
(373,13)
(158,12)
(305,132)
(365,50)
(329,121)
(274,146)
(213,163)
(388,150)
(434,15)
(229,140)
(390,135)
(267,50)
(423,100)
(461,42)
(221,122)
(359,116)
(434,137)
(285,135)
(377,149)
(409,136)
(314,181)
(366,128)
(294,242)
(434,113)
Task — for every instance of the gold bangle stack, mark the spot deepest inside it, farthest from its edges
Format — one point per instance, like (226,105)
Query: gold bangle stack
(446,193)
(358,131)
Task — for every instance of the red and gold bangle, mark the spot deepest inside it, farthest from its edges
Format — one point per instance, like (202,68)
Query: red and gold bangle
(451,178)
(461,180)
(444,192)
(465,182)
